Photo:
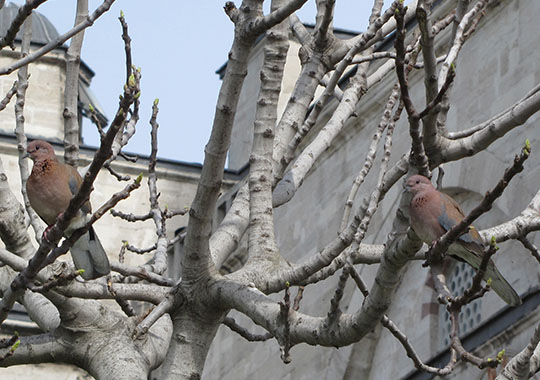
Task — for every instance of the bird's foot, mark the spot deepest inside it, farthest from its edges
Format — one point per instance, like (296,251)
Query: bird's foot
(429,255)
(46,232)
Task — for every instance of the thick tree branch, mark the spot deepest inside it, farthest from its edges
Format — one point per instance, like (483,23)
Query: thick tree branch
(196,262)
(323,23)
(348,328)
(71,90)
(44,348)
(279,14)
(226,238)
(525,364)
(261,238)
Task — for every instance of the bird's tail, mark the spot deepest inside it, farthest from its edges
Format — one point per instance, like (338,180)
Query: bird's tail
(472,254)
(88,254)
(501,286)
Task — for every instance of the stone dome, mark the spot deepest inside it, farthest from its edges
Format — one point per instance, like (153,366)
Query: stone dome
(43,31)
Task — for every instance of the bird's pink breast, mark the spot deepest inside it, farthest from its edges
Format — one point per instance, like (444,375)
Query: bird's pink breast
(424,211)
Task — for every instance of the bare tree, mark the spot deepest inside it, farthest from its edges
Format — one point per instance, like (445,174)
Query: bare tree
(176,332)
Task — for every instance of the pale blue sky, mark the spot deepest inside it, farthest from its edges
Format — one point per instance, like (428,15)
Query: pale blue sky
(178,45)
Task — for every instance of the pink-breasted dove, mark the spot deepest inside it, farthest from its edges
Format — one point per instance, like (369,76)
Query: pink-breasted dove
(50,187)
(432,213)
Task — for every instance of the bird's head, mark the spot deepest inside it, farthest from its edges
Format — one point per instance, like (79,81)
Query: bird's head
(39,150)
(417,183)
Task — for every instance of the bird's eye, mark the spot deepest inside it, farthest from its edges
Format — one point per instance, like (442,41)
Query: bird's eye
(417,181)
(37,147)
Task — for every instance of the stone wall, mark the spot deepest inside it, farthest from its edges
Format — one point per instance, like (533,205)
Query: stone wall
(44,98)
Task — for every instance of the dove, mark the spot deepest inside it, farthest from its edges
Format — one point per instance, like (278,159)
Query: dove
(50,187)
(432,213)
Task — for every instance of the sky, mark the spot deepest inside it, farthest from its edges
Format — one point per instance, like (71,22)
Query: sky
(178,45)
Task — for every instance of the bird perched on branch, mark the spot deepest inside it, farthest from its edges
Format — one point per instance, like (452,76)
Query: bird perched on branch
(50,188)
(432,213)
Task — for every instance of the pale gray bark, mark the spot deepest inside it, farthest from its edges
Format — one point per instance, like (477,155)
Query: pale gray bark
(177,333)
(71,90)
(182,360)
(90,337)
(12,226)
(39,308)
(262,246)
(525,364)
(227,237)
(191,338)
(11,294)
(22,85)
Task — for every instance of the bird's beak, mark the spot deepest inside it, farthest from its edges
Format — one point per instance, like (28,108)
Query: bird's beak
(26,155)
(406,188)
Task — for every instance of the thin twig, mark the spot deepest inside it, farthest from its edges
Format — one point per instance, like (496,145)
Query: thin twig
(530,246)
(164,307)
(127,44)
(298,298)
(244,333)
(462,353)
(139,251)
(14,346)
(7,342)
(418,155)
(411,352)
(160,257)
(9,95)
(122,253)
(126,307)
(114,173)
(128,157)
(370,156)
(334,311)
(113,201)
(60,280)
(476,290)
(141,273)
(128,129)
(357,279)
(285,341)
(130,217)
(440,94)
